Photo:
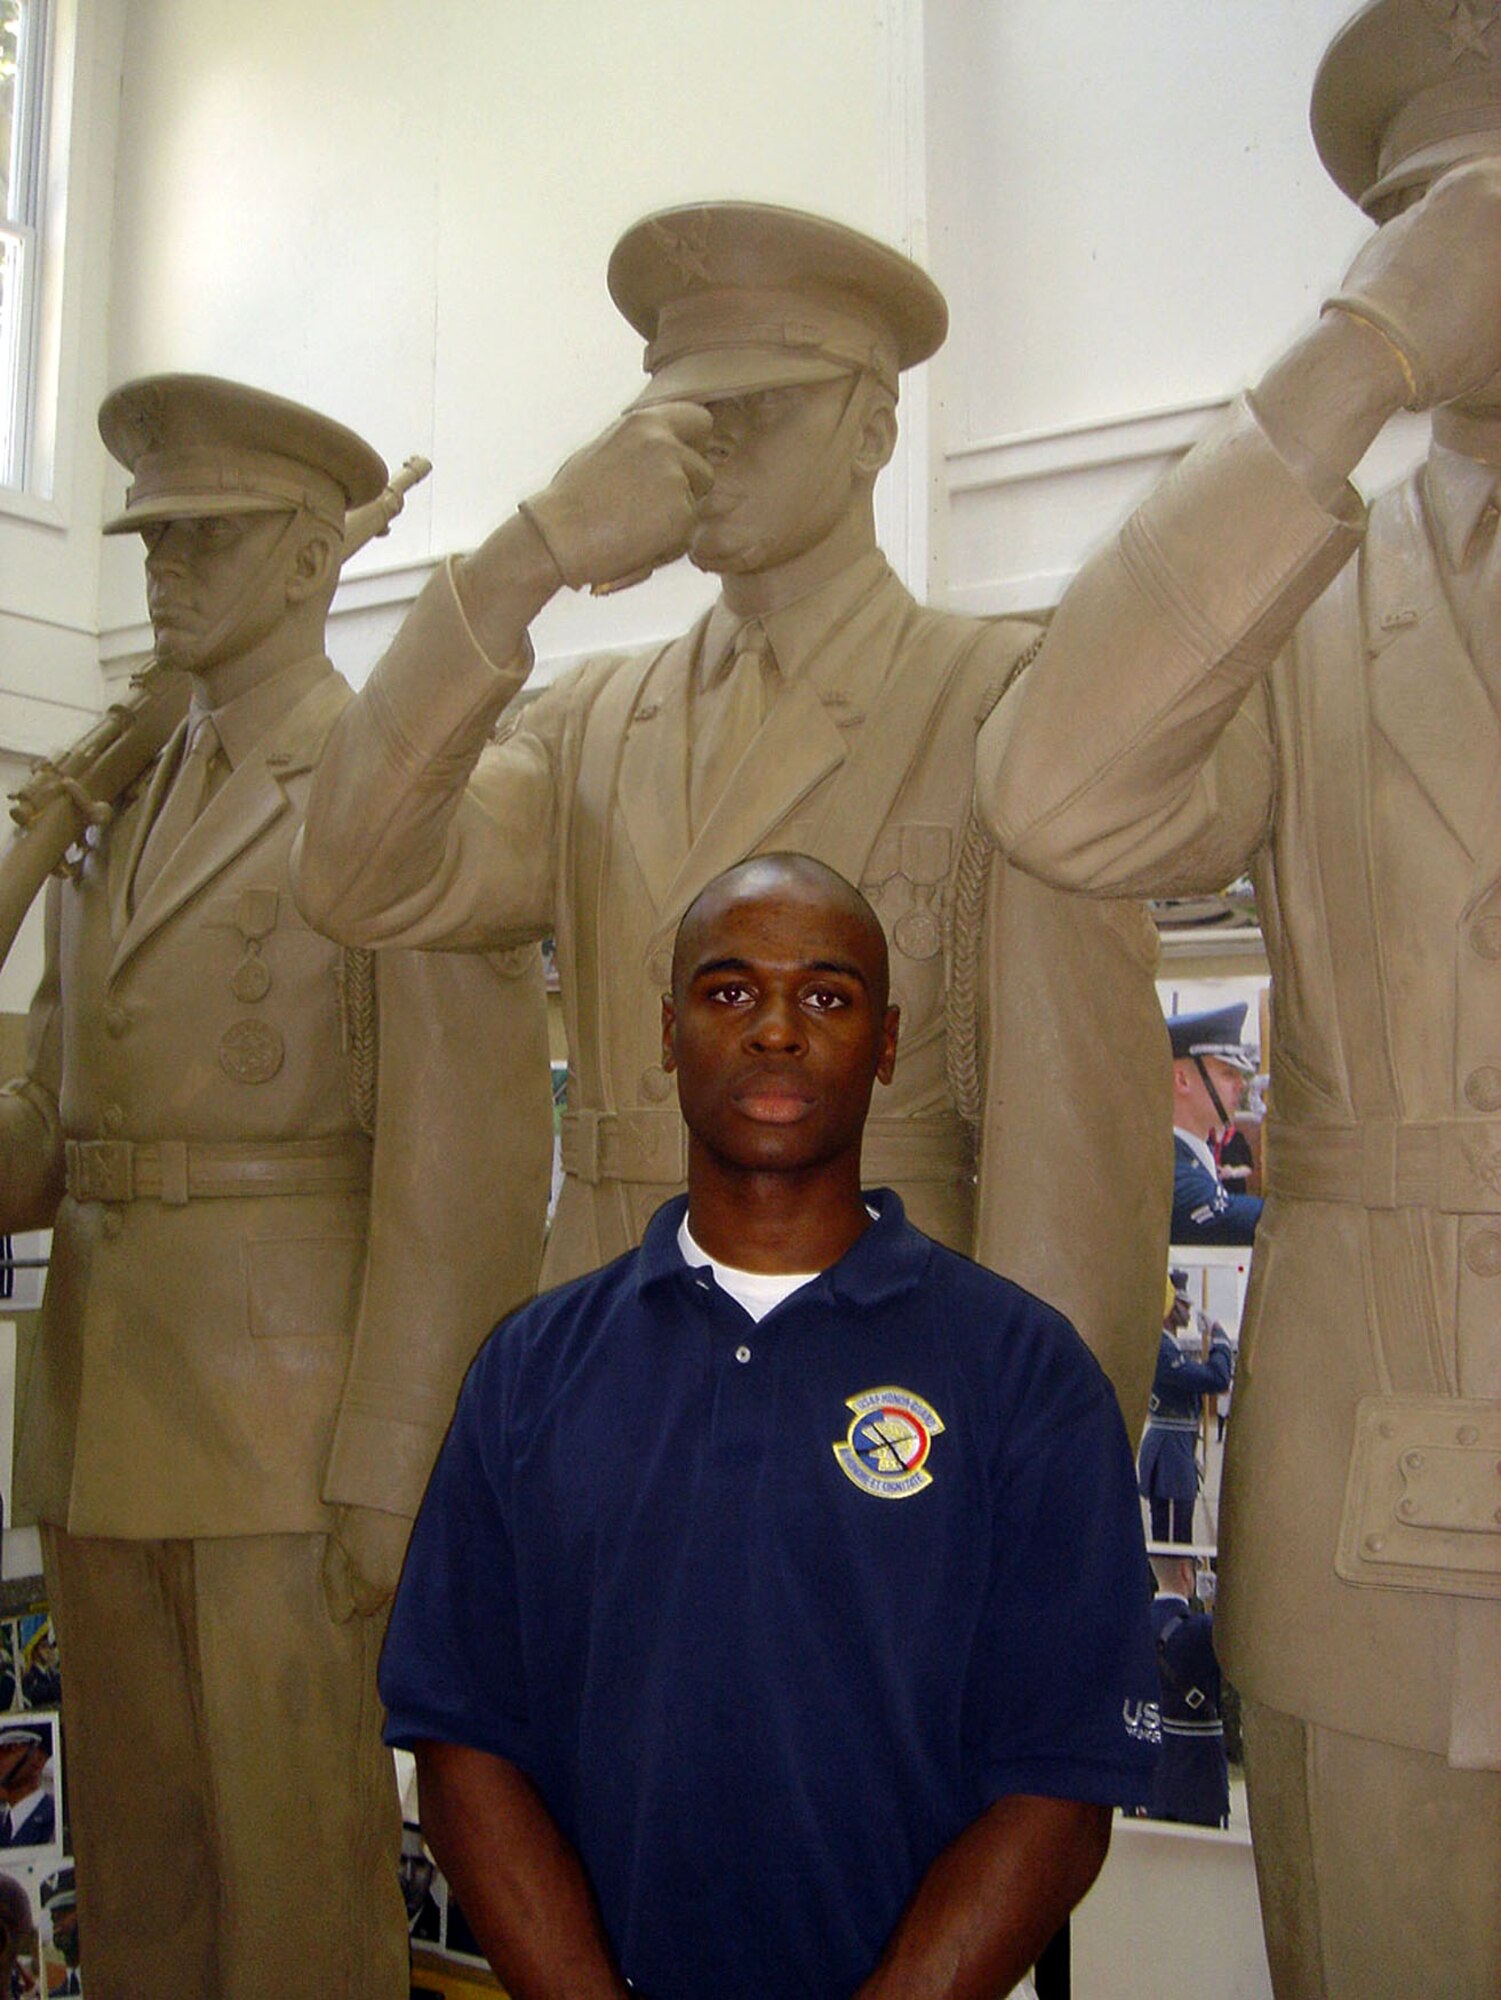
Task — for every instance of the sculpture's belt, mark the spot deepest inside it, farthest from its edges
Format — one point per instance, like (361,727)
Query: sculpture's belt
(1449,1164)
(652,1146)
(179,1170)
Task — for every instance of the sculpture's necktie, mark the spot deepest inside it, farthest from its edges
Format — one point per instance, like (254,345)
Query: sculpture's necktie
(730,710)
(1477,599)
(186,797)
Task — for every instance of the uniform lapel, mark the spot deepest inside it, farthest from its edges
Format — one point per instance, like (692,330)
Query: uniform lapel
(1427,697)
(251,799)
(806,736)
(651,786)
(123,864)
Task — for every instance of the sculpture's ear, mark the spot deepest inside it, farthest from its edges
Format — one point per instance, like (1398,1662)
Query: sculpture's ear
(315,567)
(878,432)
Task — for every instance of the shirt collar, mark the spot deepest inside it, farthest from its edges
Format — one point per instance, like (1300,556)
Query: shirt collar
(245,721)
(890,1258)
(798,630)
(1459,491)
(1199,1148)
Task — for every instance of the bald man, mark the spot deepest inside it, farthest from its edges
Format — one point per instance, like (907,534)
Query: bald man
(717,1640)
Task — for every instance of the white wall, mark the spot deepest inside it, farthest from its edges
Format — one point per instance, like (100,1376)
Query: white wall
(1130,219)
(50,684)
(402,215)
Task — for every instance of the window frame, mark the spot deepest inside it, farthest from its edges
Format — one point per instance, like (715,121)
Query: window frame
(22,239)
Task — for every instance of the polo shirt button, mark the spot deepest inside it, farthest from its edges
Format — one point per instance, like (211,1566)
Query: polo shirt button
(1485,938)
(656,1085)
(1483,1088)
(742,1353)
(1483,1253)
(116,1020)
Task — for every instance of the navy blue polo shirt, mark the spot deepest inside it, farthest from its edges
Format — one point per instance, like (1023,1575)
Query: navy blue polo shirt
(769,1613)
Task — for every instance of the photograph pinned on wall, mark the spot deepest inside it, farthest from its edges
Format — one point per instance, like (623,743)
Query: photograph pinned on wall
(38,1661)
(31,1820)
(62,1972)
(22,1971)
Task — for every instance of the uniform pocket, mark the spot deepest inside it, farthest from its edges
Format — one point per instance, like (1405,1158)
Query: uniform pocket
(303,1287)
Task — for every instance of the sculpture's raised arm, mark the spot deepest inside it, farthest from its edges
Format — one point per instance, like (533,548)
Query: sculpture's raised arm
(393,851)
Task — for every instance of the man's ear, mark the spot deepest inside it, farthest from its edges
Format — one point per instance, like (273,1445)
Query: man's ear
(315,567)
(890,1029)
(669,1025)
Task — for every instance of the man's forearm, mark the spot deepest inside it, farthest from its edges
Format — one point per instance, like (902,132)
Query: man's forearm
(522,1888)
(991,1901)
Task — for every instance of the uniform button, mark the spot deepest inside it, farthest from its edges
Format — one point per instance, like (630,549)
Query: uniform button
(116,1020)
(1483,1253)
(114,1118)
(112,1224)
(742,1354)
(1485,938)
(655,1085)
(1483,1087)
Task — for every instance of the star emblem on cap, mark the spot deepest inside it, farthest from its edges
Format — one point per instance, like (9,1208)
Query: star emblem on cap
(1468,27)
(685,245)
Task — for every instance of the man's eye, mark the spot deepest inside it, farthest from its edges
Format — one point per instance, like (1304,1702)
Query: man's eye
(729,994)
(824,999)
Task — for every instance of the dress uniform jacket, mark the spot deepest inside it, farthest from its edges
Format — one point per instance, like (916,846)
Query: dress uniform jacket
(1204,1209)
(1209,700)
(1168,1467)
(279,1319)
(1030,1023)
(1191,1783)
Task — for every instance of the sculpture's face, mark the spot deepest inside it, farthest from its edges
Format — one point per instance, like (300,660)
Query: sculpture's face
(214,585)
(785,475)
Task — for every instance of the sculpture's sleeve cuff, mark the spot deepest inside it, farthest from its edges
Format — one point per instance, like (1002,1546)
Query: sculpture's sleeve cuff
(437,692)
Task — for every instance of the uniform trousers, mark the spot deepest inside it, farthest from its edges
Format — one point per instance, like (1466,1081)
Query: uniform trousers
(1357,1906)
(238,1824)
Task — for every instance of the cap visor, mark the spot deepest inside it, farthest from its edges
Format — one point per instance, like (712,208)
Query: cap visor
(193,506)
(719,372)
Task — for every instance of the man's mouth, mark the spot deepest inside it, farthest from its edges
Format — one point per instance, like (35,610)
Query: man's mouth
(772,1099)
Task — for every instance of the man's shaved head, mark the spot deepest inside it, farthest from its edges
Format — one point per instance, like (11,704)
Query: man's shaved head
(793,878)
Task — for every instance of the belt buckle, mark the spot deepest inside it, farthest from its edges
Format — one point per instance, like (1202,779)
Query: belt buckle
(105,1170)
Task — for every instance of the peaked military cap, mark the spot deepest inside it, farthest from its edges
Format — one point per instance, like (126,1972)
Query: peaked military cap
(1406,89)
(735,296)
(198,445)
(1215,1031)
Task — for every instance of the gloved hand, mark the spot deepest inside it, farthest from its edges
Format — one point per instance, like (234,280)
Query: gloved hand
(1429,281)
(626,503)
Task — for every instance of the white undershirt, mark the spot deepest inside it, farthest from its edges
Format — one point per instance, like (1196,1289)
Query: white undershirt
(756,1291)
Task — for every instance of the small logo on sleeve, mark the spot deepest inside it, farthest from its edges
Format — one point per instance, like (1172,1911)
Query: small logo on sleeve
(885,1450)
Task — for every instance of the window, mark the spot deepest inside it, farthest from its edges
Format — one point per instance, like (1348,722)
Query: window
(23,98)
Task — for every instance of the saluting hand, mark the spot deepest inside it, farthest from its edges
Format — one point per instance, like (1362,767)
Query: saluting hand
(626,503)
(1429,281)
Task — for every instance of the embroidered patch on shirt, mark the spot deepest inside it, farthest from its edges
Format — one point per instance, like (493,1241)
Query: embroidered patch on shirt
(885,1449)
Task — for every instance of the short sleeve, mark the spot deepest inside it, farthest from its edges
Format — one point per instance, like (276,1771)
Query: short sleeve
(452,1668)
(1062,1699)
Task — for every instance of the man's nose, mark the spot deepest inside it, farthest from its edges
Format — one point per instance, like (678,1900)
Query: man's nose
(777,1024)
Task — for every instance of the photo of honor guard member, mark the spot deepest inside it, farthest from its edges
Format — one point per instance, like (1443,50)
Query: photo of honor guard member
(1191,1782)
(286,1187)
(718,1644)
(1211,1069)
(1167,1466)
(816,706)
(1258,673)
